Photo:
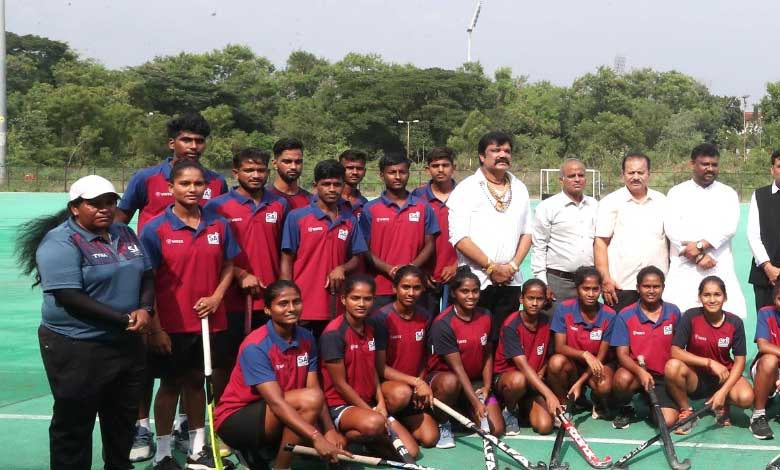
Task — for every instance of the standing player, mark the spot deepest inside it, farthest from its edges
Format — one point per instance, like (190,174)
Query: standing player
(274,395)
(702,364)
(256,218)
(191,252)
(765,366)
(521,363)
(444,262)
(461,357)
(288,161)
(644,328)
(401,330)
(354,163)
(582,328)
(398,226)
(320,246)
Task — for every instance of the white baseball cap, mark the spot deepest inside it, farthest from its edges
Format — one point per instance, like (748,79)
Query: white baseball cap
(90,187)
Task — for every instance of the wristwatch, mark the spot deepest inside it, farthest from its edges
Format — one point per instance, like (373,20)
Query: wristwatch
(700,245)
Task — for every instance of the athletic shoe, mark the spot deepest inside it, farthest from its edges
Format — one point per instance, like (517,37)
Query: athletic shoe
(181,437)
(685,429)
(760,428)
(598,413)
(167,463)
(225,450)
(143,445)
(203,461)
(511,426)
(446,439)
(624,417)
(722,417)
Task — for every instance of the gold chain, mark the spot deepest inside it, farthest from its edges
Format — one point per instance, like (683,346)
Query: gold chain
(502,199)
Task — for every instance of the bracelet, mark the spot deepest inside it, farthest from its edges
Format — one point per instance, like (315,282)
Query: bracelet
(490,268)
(487,265)
(699,257)
(513,265)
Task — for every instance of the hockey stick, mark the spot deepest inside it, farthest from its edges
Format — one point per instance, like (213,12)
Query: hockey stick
(555,457)
(332,304)
(774,464)
(210,403)
(582,444)
(398,444)
(248,315)
(669,452)
(364,459)
(487,448)
(517,456)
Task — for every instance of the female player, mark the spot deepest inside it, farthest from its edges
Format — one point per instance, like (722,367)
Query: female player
(401,329)
(274,394)
(191,252)
(461,356)
(765,366)
(521,363)
(349,374)
(582,328)
(702,364)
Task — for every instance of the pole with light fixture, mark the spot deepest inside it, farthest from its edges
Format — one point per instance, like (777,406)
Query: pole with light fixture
(408,134)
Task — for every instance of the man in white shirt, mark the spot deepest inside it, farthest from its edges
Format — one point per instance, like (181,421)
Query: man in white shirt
(630,233)
(701,218)
(490,224)
(763,231)
(563,234)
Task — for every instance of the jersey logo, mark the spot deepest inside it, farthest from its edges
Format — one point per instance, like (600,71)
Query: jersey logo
(279,366)
(371,345)
(207,193)
(699,338)
(573,328)
(343,233)
(383,219)
(99,255)
(414,216)
(213,238)
(315,229)
(173,241)
(133,248)
(237,219)
(723,342)
(668,330)
(540,350)
(595,335)
(419,335)
(159,194)
(303,360)
(483,339)
(271,217)
(637,333)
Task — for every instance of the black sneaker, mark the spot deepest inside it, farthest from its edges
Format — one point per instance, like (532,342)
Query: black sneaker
(167,463)
(760,428)
(204,460)
(624,417)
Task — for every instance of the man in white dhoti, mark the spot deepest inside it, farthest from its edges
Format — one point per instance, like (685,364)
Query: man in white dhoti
(701,219)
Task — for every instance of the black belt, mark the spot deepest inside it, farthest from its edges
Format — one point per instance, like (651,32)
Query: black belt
(561,274)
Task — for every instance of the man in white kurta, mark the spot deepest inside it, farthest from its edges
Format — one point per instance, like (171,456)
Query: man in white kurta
(701,219)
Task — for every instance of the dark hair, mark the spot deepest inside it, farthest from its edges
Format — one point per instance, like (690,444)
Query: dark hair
(584,272)
(705,150)
(393,158)
(356,279)
(713,279)
(275,289)
(328,169)
(631,155)
(353,155)
(462,274)
(775,156)
(190,122)
(440,153)
(251,154)
(531,283)
(493,137)
(288,143)
(408,270)
(650,271)
(30,235)
(182,165)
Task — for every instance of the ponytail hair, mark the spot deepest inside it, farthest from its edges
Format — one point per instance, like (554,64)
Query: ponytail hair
(30,235)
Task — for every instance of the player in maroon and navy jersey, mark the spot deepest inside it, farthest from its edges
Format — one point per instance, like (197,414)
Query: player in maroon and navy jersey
(192,252)
(350,379)
(398,226)
(461,356)
(401,330)
(288,162)
(321,245)
(582,327)
(274,393)
(520,364)
(256,219)
(702,365)
(354,163)
(766,366)
(644,328)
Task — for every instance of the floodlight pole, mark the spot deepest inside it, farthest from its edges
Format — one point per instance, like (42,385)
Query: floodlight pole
(408,134)
(3,116)
(470,29)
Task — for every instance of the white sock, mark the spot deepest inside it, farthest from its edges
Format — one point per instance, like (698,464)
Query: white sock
(178,420)
(197,440)
(163,447)
(145,423)
(757,413)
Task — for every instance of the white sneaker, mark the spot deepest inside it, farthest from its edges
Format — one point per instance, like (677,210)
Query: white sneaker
(143,445)
(446,440)
(511,425)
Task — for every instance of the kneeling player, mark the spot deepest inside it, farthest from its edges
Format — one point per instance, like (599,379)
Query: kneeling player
(765,366)
(644,328)
(274,394)
(521,362)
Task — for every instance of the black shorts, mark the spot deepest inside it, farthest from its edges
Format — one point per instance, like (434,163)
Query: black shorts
(664,399)
(708,385)
(187,354)
(245,429)
(235,332)
(530,391)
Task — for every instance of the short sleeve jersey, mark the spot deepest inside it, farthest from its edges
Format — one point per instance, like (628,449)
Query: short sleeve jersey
(515,339)
(188,263)
(451,334)
(697,336)
(768,325)
(356,207)
(258,232)
(580,334)
(264,356)
(147,191)
(404,341)
(444,254)
(396,235)
(108,271)
(298,200)
(340,341)
(319,245)
(644,337)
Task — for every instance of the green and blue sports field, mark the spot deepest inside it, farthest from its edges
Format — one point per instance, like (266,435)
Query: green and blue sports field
(25,401)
